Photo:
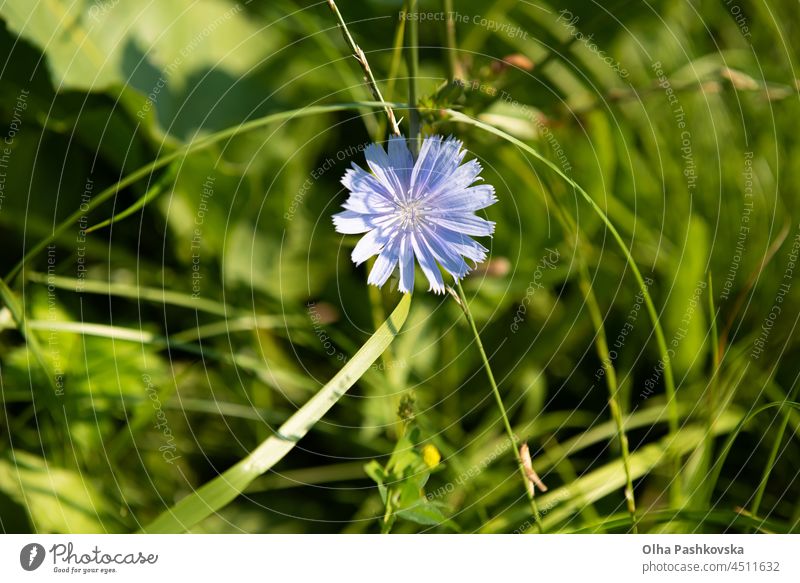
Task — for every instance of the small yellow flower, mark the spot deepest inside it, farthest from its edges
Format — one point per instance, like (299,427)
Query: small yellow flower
(431,455)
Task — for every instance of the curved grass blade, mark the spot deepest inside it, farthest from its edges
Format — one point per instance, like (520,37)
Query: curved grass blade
(220,491)
(271,376)
(244,324)
(153,192)
(139,293)
(190,148)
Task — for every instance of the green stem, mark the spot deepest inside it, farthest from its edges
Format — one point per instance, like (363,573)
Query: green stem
(386,525)
(413,72)
(397,54)
(503,414)
(658,331)
(705,487)
(601,344)
(450,41)
(362,60)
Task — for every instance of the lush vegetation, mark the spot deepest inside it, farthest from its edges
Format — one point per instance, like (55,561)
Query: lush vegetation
(177,303)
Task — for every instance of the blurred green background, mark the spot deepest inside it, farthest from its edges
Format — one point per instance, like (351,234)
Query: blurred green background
(165,346)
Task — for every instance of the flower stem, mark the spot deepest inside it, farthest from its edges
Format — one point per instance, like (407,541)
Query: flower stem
(503,414)
(673,416)
(453,68)
(413,71)
(362,60)
(601,343)
(397,54)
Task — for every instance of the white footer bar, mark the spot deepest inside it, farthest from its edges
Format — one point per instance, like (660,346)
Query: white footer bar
(401,558)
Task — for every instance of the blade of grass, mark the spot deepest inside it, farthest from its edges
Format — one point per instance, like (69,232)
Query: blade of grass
(223,489)
(701,487)
(271,376)
(195,146)
(139,293)
(161,184)
(244,324)
(770,253)
(569,475)
(453,67)
(601,344)
(397,53)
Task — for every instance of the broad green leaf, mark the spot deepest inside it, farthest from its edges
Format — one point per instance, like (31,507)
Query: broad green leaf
(220,491)
(81,40)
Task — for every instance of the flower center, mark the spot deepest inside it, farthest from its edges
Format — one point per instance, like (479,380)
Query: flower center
(410,214)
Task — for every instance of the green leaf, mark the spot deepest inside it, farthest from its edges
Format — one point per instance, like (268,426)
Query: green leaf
(217,493)
(684,318)
(410,489)
(136,292)
(374,470)
(426,514)
(56,499)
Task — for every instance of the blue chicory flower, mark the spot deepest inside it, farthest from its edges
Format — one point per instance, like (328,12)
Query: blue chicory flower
(423,209)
